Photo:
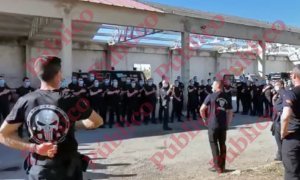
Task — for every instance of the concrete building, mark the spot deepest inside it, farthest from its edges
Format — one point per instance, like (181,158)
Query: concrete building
(91,34)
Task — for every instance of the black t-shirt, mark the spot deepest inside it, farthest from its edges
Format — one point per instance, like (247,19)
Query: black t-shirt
(4,98)
(84,92)
(292,99)
(149,89)
(178,93)
(72,86)
(98,96)
(218,104)
(208,89)
(21,91)
(114,99)
(239,87)
(50,116)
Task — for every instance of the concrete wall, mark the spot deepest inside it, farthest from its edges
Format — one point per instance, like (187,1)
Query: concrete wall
(12,64)
(12,58)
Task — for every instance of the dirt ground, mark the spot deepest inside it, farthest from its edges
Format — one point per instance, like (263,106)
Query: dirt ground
(130,152)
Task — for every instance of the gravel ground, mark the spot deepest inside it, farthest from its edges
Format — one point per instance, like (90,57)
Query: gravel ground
(131,151)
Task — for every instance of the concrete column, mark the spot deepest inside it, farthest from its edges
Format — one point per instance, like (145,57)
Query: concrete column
(67,59)
(185,58)
(170,59)
(108,58)
(261,63)
(216,66)
(28,63)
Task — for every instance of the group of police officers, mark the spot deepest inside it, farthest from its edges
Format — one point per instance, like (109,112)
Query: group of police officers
(131,102)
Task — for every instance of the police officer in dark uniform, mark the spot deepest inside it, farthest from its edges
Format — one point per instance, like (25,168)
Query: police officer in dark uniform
(151,98)
(74,84)
(141,100)
(192,104)
(254,98)
(208,87)
(290,129)
(113,97)
(125,85)
(105,87)
(22,91)
(51,119)
(181,86)
(80,90)
(267,92)
(201,93)
(95,94)
(239,88)
(217,122)
(90,82)
(228,89)
(246,98)
(177,95)
(26,88)
(260,102)
(5,96)
(277,108)
(164,101)
(132,98)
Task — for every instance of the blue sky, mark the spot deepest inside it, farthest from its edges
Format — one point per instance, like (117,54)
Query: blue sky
(287,11)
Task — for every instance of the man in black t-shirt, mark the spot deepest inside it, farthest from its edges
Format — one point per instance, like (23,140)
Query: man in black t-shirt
(113,98)
(220,115)
(193,100)
(26,88)
(151,99)
(5,96)
(51,118)
(290,129)
(177,95)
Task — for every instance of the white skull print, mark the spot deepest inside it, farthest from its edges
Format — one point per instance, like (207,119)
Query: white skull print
(47,121)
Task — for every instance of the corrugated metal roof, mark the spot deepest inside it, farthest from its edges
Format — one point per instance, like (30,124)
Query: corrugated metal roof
(126,3)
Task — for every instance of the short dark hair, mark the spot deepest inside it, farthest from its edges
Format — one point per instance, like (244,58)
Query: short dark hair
(46,67)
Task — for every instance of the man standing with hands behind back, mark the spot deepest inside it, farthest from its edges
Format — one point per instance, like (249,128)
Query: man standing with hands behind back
(290,129)
(220,115)
(51,118)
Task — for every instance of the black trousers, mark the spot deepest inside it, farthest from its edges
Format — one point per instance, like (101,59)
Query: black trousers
(132,112)
(291,156)
(268,107)
(238,100)
(217,139)
(192,108)
(149,110)
(176,110)
(4,111)
(114,111)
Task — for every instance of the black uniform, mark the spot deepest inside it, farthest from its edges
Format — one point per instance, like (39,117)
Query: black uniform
(141,101)
(50,117)
(83,94)
(246,99)
(254,99)
(133,106)
(96,98)
(192,105)
(72,86)
(22,91)
(151,100)
(218,104)
(104,105)
(260,101)
(276,127)
(291,143)
(5,95)
(202,93)
(177,100)
(124,101)
(114,106)
(268,100)
(181,86)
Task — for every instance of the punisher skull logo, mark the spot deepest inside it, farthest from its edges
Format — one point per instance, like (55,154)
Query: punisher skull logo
(48,123)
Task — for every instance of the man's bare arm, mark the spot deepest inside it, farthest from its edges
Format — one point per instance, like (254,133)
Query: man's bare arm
(285,118)
(9,137)
(93,122)
(203,111)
